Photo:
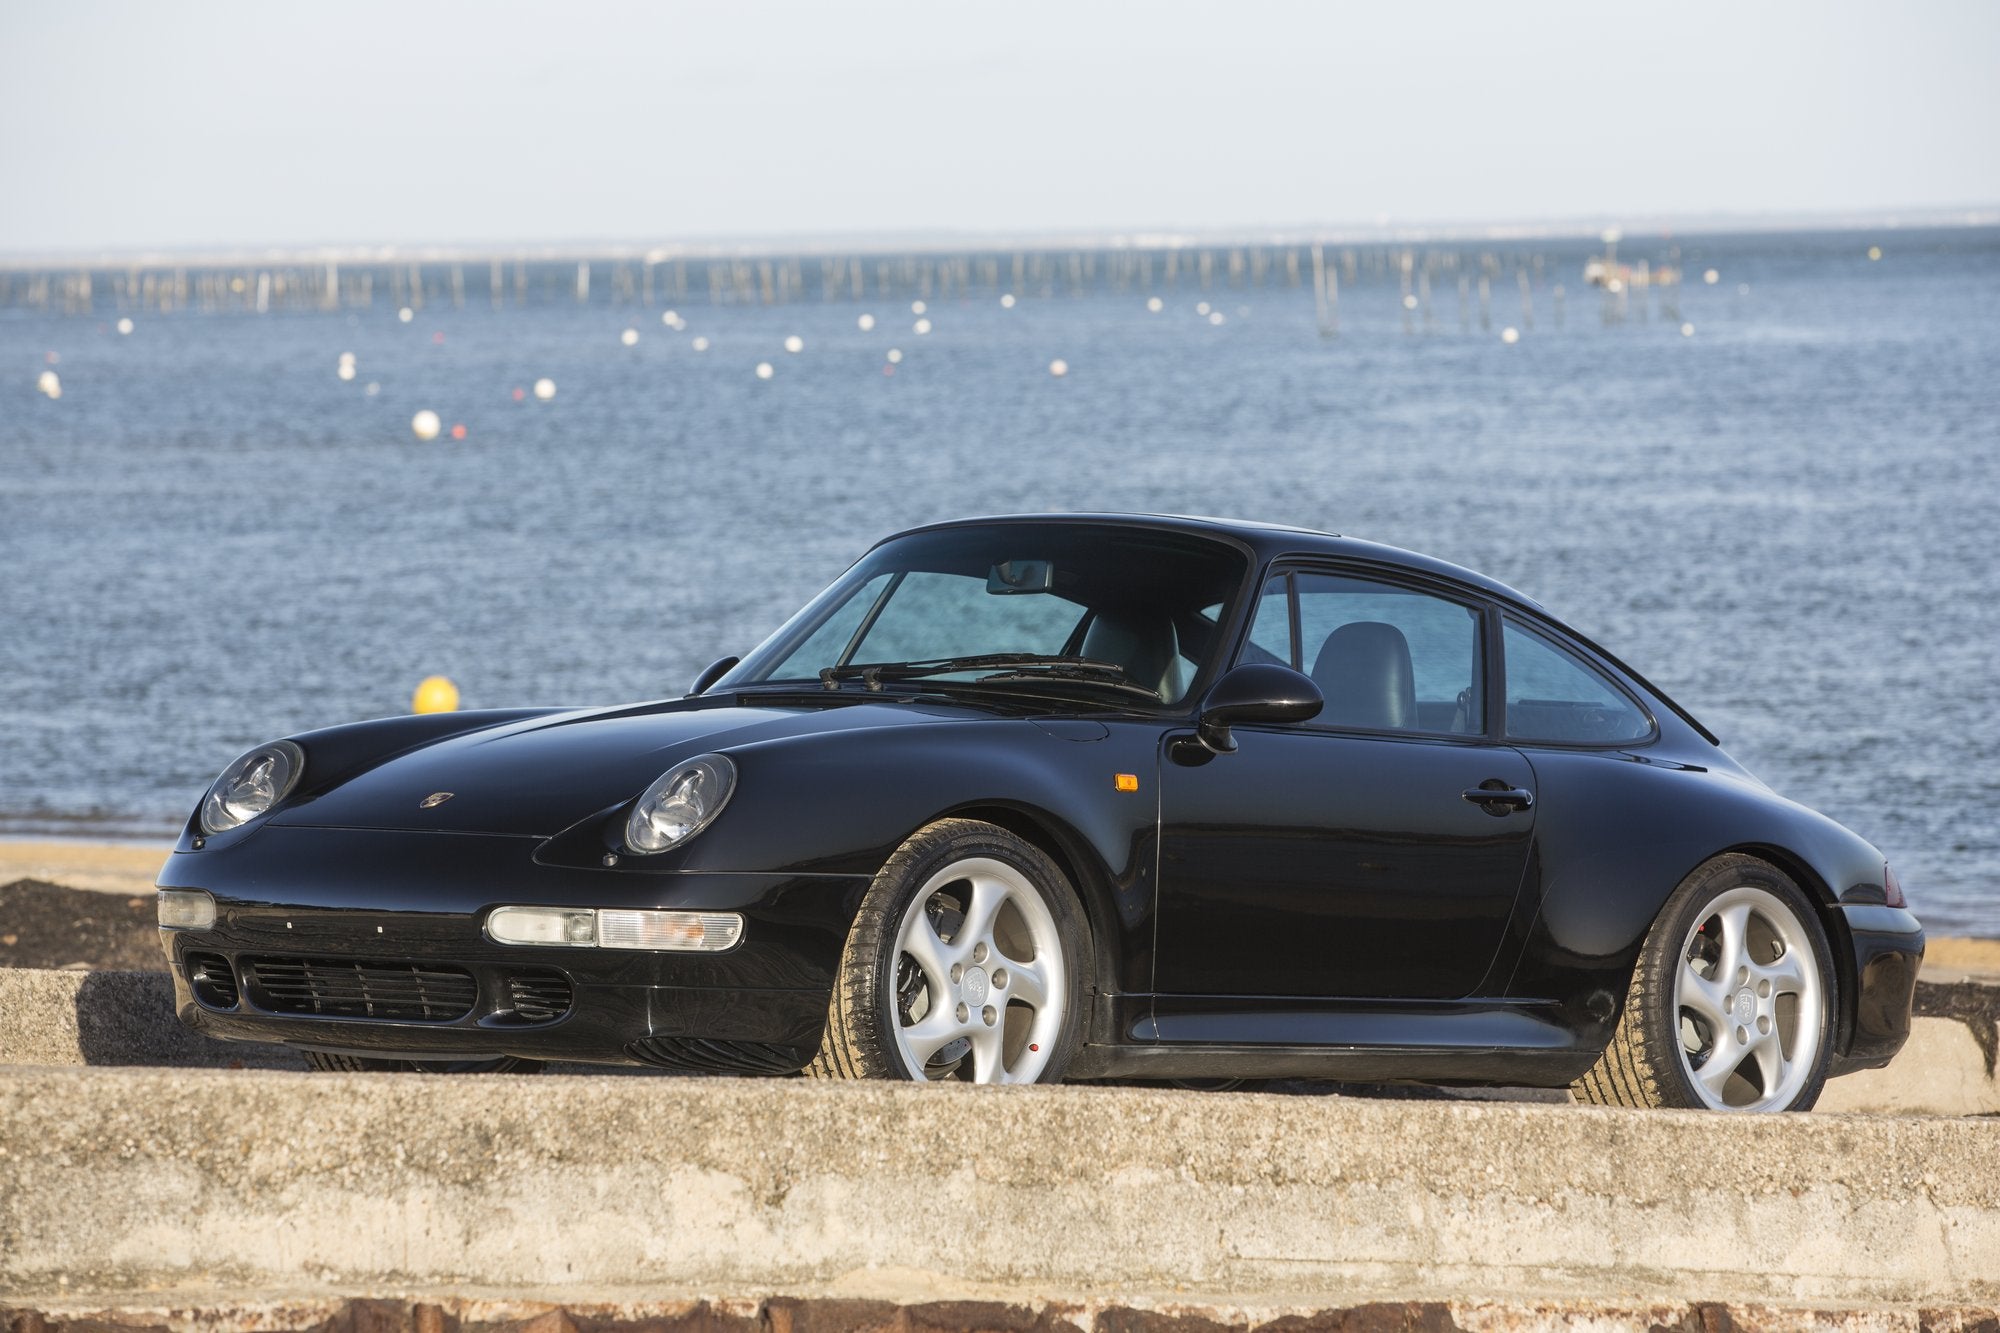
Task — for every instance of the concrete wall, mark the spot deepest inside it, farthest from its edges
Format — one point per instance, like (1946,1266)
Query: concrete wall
(132,1182)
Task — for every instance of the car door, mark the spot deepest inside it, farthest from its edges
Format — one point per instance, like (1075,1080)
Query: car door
(1343,858)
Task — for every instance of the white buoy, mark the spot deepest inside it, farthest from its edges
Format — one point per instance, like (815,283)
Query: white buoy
(1007,301)
(1510,336)
(1201,308)
(700,344)
(1155,304)
(1215,317)
(630,337)
(49,383)
(406,314)
(865,323)
(1058,367)
(921,326)
(672,319)
(764,370)
(125,325)
(895,355)
(545,389)
(917,307)
(347,358)
(1711,277)
(1687,330)
(1874,253)
(795,344)
(425,425)
(1410,302)
(346,371)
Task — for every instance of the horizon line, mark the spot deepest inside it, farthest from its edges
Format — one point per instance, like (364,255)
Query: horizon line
(946,239)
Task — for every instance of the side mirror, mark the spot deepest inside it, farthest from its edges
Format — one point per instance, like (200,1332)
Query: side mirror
(713,672)
(1255,692)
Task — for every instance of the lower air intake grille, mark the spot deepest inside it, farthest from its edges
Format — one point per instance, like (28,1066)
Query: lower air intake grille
(719,1057)
(211,979)
(538,997)
(342,988)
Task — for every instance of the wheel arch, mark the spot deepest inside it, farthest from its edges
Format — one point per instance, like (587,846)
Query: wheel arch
(1073,855)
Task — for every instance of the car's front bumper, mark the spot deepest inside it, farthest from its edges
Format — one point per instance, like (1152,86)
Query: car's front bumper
(373,943)
(1887,950)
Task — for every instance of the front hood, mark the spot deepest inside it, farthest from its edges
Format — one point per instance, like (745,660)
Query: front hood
(539,776)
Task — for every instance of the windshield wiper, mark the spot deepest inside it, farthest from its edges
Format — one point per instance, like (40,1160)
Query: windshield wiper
(1004,666)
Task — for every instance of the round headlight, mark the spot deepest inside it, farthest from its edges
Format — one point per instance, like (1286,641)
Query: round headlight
(680,804)
(252,785)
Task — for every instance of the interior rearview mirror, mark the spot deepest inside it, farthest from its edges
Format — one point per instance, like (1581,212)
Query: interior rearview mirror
(1012,576)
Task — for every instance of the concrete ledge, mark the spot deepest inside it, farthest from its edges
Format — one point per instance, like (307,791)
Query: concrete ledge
(128,1182)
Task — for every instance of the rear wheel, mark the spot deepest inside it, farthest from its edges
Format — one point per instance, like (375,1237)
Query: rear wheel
(354,1064)
(1732,1002)
(968,961)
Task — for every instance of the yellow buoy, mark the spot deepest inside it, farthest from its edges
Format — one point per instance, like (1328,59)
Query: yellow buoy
(435,694)
(425,425)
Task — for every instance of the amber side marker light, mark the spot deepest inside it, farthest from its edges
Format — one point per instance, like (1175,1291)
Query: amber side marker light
(1126,781)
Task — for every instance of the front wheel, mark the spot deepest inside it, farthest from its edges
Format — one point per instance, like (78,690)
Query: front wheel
(969,960)
(1732,1003)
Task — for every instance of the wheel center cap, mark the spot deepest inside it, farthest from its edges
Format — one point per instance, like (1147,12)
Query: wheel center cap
(1745,1007)
(973,988)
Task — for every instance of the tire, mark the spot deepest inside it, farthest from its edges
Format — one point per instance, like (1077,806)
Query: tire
(969,960)
(1732,1003)
(327,1062)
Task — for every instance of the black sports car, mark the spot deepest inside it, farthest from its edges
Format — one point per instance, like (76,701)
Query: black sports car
(1026,799)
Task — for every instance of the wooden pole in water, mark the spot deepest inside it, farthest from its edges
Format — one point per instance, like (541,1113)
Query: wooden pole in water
(1319,289)
(1527,300)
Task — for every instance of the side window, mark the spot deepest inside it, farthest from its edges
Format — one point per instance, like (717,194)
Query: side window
(1553,695)
(1388,658)
(1271,627)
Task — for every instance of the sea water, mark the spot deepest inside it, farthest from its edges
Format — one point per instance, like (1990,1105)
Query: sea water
(1777,495)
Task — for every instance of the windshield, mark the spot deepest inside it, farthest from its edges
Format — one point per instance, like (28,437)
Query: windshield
(1040,603)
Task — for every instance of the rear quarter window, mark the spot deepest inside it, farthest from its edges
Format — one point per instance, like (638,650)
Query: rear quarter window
(1556,697)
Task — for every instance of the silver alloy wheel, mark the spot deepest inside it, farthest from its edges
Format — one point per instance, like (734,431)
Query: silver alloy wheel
(979,961)
(1749,1005)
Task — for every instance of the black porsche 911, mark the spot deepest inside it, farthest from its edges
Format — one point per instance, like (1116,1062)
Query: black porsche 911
(1027,799)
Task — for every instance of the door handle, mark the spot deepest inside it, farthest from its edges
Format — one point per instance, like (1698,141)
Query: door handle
(1496,798)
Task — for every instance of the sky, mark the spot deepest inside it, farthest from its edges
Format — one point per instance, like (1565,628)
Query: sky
(251,123)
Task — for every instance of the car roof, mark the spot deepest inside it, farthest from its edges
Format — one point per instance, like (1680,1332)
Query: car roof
(1267,541)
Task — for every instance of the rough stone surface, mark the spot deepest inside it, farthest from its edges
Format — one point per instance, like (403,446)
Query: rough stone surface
(127,1018)
(1942,1070)
(126,1181)
(783,1314)
(111,1018)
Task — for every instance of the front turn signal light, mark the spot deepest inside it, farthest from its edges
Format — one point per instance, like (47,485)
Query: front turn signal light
(186,909)
(614,928)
